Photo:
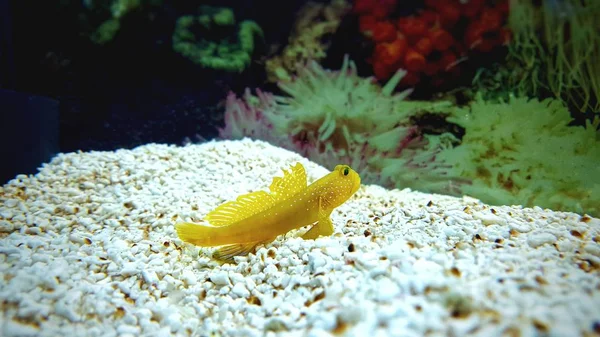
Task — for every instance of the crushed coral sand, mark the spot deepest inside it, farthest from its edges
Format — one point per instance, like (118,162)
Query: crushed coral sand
(89,248)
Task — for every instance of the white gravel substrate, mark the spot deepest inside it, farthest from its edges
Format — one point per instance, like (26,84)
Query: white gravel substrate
(89,248)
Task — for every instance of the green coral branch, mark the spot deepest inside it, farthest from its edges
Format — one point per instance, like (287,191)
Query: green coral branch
(118,9)
(524,152)
(192,39)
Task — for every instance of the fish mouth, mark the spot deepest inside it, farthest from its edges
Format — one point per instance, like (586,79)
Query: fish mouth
(356,184)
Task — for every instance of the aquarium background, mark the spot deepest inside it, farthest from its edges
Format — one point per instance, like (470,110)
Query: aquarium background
(493,99)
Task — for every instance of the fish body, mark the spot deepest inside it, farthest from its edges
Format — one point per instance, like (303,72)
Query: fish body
(259,217)
(266,225)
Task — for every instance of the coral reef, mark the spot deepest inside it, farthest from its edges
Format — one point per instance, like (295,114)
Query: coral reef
(524,152)
(210,38)
(112,12)
(432,43)
(247,117)
(504,157)
(556,47)
(337,116)
(204,39)
(314,22)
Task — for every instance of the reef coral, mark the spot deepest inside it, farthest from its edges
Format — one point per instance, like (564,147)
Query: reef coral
(431,43)
(503,158)
(308,40)
(111,12)
(557,50)
(200,39)
(337,116)
(523,151)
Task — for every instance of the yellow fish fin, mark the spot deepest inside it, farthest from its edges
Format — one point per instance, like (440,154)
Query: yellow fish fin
(194,233)
(243,207)
(226,253)
(291,183)
(323,227)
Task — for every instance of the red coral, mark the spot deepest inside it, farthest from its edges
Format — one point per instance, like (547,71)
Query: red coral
(410,79)
(384,32)
(433,41)
(363,6)
(388,56)
(367,23)
(449,13)
(412,27)
(391,53)
(487,32)
(472,8)
(378,8)
(424,46)
(414,61)
(441,39)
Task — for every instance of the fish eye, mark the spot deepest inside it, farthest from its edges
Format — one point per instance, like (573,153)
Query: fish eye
(346,171)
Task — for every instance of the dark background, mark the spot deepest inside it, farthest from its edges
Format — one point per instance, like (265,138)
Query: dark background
(60,92)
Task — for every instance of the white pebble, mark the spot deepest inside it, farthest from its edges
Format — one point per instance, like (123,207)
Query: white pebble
(316,260)
(11,328)
(387,290)
(592,248)
(250,284)
(173,321)
(93,244)
(240,290)
(11,203)
(489,218)
(130,268)
(219,278)
(125,329)
(189,277)
(538,239)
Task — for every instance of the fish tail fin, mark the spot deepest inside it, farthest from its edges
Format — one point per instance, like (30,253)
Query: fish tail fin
(197,234)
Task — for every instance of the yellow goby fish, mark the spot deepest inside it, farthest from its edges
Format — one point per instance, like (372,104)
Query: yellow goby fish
(259,217)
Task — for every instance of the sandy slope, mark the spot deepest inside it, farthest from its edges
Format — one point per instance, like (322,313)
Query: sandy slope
(88,248)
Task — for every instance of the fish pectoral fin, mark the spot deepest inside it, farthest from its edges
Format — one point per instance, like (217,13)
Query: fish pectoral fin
(323,227)
(226,253)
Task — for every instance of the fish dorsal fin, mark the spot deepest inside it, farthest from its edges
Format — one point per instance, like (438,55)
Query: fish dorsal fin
(291,183)
(243,207)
